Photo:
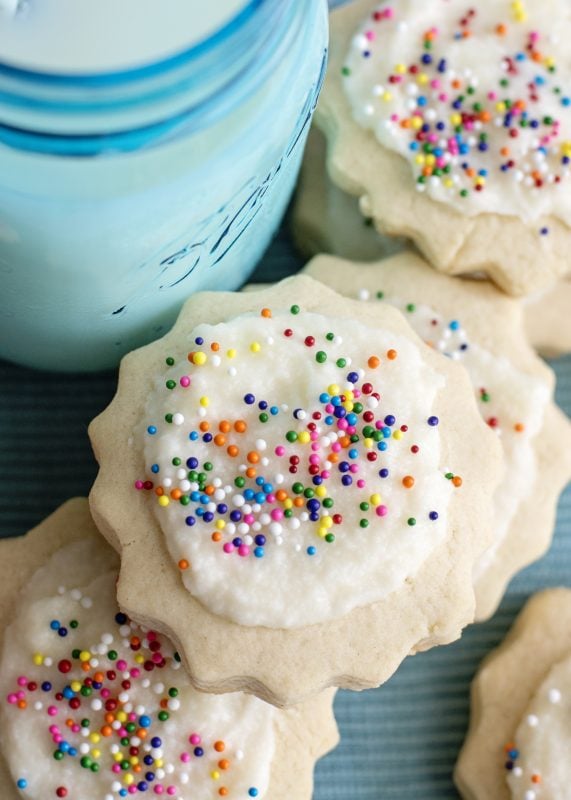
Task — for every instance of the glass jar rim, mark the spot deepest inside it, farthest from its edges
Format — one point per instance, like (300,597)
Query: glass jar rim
(151,69)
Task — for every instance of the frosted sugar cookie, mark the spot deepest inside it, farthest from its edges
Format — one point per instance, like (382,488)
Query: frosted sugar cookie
(95,708)
(473,323)
(309,482)
(453,124)
(519,740)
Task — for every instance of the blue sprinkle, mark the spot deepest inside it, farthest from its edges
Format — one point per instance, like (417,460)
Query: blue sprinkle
(155,468)
(54,625)
(311,551)
(21,783)
(152,430)
(454,325)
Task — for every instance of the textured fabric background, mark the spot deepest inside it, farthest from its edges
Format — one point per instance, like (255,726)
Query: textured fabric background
(399,742)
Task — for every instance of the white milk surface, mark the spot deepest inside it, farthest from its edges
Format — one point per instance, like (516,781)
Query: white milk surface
(103,35)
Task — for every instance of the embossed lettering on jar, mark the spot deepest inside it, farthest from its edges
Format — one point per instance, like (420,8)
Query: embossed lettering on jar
(125,186)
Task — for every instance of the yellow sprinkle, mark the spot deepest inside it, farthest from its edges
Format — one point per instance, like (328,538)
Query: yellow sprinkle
(417,123)
(231,353)
(368,443)
(327,522)
(199,358)
(94,738)
(96,753)
(75,686)
(304,437)
(333,389)
(38,659)
(288,503)
(322,532)
(455,119)
(419,159)
(430,160)
(422,79)
(220,524)
(400,69)
(134,761)
(215,775)
(159,762)
(500,107)
(204,401)
(128,779)
(118,756)
(140,659)
(321,491)
(255,347)
(448,183)
(164,501)
(387,97)
(397,435)
(375,499)
(349,394)
(121,716)
(85,655)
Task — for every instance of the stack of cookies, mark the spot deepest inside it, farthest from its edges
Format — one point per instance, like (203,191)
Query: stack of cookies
(302,484)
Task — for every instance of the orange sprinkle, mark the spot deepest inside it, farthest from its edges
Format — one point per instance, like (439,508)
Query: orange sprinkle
(509,746)
(333,458)
(176,494)
(373,362)
(466,34)
(209,490)
(240,426)
(505,151)
(85,666)
(298,502)
(456,84)
(251,472)
(266,313)
(183,564)
(392,354)
(223,791)
(216,536)
(519,427)
(215,347)
(219,440)
(219,746)
(470,172)
(109,718)
(408,481)
(204,426)
(159,491)
(253,457)
(224,426)
(232,451)
(485,116)
(224,763)
(345,441)
(106,730)
(190,356)
(457,481)
(535,778)
(501,29)
(99,677)
(137,768)
(281,495)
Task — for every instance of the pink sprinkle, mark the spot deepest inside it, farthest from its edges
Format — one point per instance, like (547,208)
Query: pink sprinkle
(243,550)
(57,738)
(435,84)
(270,498)
(139,485)
(185,758)
(52,711)
(157,658)
(443,97)
(135,672)
(194,738)
(249,519)
(280,450)
(354,468)
(76,728)
(185,381)
(351,430)
(53,729)
(330,408)
(370,36)
(388,13)
(116,768)
(105,693)
(277,514)
(22,681)
(325,474)
(314,459)
(171,790)
(133,788)
(121,665)
(336,447)
(361,483)
(382,511)
(342,424)
(12,699)
(228,547)
(159,789)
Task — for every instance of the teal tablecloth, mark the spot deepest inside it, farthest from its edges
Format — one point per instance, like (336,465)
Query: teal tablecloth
(399,742)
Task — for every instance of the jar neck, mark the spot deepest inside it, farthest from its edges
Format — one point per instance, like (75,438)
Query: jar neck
(110,113)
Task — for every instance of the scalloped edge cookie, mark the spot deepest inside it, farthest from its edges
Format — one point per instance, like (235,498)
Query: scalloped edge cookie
(357,651)
(548,320)
(503,687)
(522,262)
(484,312)
(304,734)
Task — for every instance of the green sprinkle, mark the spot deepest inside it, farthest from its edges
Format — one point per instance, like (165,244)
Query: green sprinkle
(170,361)
(170,384)
(168,418)
(74,624)
(208,466)
(380,295)
(184,500)
(411,521)
(75,653)
(321,357)
(297,488)
(163,716)
(330,336)
(58,755)
(295,309)
(112,655)
(345,71)
(364,523)
(364,506)
(449,476)
(329,537)
(410,307)
(173,692)
(328,502)
(341,362)
(176,462)
(263,417)
(309,493)
(291,436)
(240,482)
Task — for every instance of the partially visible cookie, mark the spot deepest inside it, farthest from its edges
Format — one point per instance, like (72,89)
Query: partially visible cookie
(452,126)
(310,482)
(519,739)
(481,328)
(548,320)
(95,707)
(325,219)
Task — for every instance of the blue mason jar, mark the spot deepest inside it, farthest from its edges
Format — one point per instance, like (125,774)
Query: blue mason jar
(122,193)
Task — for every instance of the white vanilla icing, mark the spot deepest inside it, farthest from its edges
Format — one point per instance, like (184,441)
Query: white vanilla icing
(282,376)
(34,723)
(541,768)
(475,96)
